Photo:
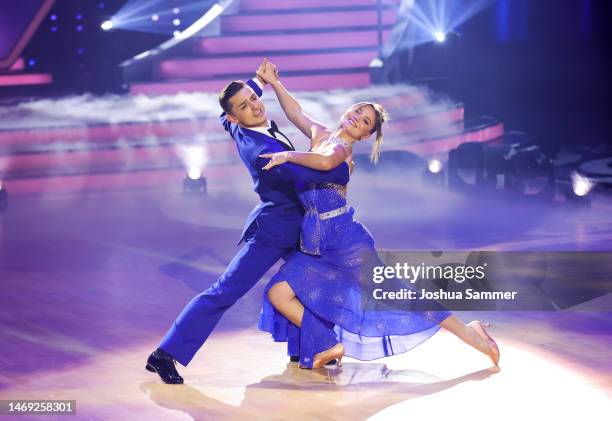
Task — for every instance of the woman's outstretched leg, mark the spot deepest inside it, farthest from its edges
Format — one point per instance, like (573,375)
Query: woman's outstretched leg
(473,334)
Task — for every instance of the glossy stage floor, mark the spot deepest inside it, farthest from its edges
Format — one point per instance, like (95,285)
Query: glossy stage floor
(90,282)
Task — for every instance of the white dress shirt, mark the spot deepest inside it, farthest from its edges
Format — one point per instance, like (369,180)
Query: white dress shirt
(264,129)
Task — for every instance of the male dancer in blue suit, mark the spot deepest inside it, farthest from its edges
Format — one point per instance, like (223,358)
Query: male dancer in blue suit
(270,233)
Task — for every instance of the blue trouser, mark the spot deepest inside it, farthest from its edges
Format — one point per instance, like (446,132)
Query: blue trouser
(201,315)
(316,335)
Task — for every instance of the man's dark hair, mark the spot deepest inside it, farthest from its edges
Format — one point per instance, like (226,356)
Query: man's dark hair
(228,92)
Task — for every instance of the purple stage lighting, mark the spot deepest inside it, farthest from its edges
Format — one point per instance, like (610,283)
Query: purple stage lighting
(194,181)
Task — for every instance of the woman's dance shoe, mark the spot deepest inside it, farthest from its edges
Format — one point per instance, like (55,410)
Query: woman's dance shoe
(336,352)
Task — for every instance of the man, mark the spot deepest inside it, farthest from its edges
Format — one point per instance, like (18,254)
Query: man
(270,233)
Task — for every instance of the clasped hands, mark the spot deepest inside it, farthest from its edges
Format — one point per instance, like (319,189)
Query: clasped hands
(267,72)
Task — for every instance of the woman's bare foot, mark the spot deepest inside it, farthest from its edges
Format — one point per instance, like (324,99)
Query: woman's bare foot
(492,348)
(336,352)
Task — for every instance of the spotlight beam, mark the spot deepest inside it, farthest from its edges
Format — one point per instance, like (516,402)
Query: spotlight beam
(137,17)
(210,15)
(430,17)
(136,6)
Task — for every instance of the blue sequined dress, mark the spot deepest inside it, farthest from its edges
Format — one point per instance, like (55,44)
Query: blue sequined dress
(331,275)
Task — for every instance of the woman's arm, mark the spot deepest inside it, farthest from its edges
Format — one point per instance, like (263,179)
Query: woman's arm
(295,114)
(313,129)
(317,161)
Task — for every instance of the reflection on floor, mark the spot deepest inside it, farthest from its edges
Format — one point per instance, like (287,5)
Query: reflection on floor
(91,282)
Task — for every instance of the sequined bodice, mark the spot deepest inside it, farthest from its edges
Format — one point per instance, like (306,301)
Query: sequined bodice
(318,199)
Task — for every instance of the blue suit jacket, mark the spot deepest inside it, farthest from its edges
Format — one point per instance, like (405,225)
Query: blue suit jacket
(279,215)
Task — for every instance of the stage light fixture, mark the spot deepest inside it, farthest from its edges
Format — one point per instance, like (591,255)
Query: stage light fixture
(194,181)
(494,165)
(155,18)
(466,167)
(578,192)
(530,173)
(440,37)
(107,25)
(434,173)
(434,165)
(478,166)
(581,185)
(176,22)
(194,173)
(176,10)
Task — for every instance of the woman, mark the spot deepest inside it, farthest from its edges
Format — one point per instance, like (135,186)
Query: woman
(320,289)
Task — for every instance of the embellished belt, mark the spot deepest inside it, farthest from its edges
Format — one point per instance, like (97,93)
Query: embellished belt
(326,215)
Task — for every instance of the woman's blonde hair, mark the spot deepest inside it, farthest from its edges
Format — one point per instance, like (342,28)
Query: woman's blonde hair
(381,117)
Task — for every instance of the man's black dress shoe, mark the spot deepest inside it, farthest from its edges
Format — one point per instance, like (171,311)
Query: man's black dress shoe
(296,359)
(162,363)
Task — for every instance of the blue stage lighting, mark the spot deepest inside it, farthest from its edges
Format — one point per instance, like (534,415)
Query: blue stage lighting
(440,37)
(107,25)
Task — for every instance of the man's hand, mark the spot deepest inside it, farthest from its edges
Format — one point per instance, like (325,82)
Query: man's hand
(260,70)
(267,72)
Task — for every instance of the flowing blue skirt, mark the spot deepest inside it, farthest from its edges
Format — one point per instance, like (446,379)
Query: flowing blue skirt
(337,287)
